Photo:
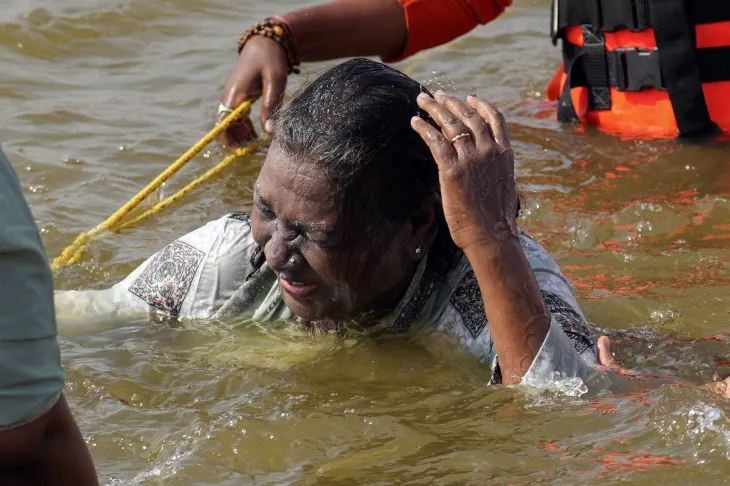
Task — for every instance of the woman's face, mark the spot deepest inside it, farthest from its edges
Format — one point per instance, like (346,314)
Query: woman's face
(329,266)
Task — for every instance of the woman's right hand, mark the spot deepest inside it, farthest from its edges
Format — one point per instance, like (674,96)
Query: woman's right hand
(476,168)
(262,70)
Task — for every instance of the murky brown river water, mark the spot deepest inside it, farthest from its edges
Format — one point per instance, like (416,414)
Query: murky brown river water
(99,96)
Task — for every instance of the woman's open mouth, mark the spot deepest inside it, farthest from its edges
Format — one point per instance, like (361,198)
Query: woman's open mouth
(298,289)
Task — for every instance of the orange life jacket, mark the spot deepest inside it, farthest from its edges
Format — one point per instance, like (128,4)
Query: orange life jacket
(644,68)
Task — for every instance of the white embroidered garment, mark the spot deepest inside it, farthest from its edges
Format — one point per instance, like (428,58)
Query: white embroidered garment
(218,271)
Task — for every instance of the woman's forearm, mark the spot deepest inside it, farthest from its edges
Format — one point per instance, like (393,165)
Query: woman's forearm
(349,28)
(517,315)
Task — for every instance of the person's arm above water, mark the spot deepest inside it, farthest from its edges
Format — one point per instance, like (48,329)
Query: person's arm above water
(39,440)
(476,172)
(466,320)
(191,277)
(391,29)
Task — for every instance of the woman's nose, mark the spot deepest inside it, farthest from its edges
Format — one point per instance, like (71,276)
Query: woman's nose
(279,254)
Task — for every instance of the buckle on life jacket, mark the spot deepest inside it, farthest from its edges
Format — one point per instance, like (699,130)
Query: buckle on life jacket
(634,69)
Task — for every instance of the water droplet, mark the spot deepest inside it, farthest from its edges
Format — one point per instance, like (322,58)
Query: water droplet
(73,161)
(38,189)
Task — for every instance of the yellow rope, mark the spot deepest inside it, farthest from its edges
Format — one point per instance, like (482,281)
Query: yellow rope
(239,152)
(73,252)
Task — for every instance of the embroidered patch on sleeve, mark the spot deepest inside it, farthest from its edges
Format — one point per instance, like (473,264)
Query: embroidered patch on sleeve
(167,279)
(570,321)
(241,217)
(467,299)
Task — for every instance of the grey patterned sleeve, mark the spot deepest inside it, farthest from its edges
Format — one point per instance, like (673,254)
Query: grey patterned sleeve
(191,277)
(566,319)
(569,348)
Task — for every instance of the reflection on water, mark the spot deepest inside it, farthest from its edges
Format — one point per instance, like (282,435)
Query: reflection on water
(101,96)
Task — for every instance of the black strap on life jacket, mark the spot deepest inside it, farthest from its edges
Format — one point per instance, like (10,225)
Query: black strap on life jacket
(675,66)
(634,15)
(678,62)
(587,68)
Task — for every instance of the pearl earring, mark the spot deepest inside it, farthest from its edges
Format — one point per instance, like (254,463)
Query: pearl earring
(418,250)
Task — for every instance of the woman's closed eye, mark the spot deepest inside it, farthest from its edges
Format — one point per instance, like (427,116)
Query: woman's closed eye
(265,211)
(323,239)
(262,207)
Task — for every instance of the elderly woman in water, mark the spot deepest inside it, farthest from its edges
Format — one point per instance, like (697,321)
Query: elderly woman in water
(377,204)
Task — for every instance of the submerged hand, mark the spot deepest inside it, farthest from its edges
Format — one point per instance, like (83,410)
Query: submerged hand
(262,68)
(476,167)
(605,358)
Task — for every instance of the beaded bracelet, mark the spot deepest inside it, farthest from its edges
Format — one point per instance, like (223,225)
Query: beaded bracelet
(277,31)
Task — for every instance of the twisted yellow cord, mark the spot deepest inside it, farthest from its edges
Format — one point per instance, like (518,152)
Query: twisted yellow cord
(239,152)
(75,250)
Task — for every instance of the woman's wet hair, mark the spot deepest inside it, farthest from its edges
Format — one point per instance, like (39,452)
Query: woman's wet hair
(354,121)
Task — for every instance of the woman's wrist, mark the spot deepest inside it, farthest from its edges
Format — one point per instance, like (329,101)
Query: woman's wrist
(505,274)
(490,241)
(283,20)
(492,249)
(518,317)
(278,30)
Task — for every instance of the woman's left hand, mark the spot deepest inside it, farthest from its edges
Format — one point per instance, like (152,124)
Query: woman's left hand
(476,168)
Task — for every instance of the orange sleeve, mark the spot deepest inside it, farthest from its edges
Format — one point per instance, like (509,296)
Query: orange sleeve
(431,23)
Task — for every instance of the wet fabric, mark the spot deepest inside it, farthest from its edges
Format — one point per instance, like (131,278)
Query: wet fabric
(218,271)
(31,377)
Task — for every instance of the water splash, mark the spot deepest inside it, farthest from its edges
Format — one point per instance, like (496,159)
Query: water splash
(703,427)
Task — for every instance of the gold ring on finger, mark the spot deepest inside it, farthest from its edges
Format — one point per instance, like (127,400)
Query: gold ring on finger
(461,135)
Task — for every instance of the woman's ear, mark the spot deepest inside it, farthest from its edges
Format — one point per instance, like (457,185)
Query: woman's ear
(424,225)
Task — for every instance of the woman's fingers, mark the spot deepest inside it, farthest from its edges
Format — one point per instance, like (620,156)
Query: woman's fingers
(605,358)
(605,355)
(274,87)
(465,127)
(238,133)
(451,124)
(443,151)
(495,119)
(468,116)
